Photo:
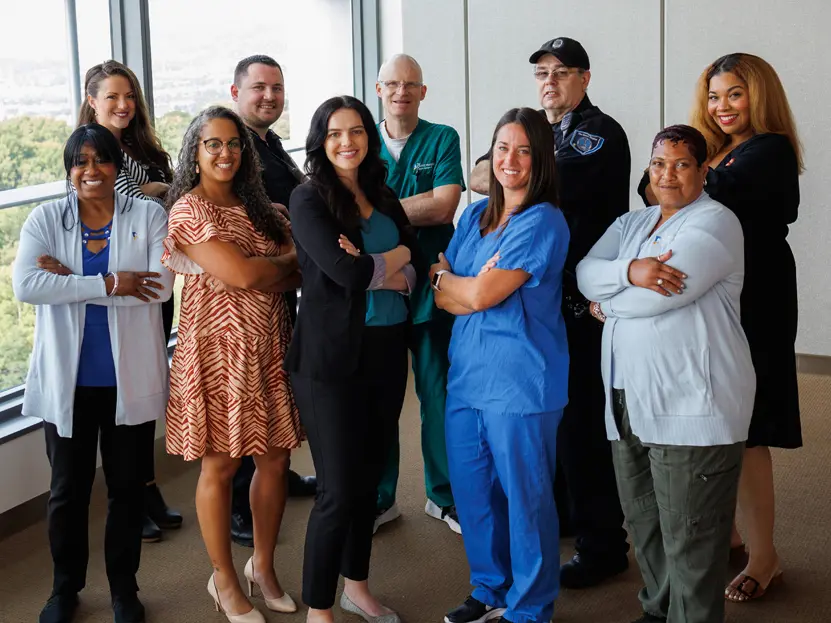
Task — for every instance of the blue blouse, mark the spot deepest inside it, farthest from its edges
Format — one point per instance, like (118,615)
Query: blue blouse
(512,357)
(384,308)
(95,366)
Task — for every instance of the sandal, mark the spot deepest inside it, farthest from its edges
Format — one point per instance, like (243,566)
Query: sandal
(744,593)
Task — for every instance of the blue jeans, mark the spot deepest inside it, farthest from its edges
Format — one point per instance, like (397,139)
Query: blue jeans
(502,468)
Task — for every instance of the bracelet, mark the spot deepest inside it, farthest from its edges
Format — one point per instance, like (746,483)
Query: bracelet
(115,283)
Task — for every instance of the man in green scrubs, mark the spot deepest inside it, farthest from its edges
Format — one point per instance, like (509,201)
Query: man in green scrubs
(425,170)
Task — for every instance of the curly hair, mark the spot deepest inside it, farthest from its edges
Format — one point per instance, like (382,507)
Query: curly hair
(139,134)
(248,183)
(372,172)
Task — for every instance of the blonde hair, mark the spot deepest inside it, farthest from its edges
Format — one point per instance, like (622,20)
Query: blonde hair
(769,109)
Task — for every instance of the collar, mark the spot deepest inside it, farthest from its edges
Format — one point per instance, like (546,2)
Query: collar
(270,136)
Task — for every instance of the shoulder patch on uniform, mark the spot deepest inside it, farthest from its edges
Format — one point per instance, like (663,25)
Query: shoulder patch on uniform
(585,143)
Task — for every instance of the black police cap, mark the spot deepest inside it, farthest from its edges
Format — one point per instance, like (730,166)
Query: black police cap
(568,51)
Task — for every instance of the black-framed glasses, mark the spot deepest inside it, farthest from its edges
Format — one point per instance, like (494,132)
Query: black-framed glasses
(561,73)
(214,146)
(394,85)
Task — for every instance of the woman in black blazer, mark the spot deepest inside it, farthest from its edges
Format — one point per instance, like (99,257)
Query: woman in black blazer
(348,356)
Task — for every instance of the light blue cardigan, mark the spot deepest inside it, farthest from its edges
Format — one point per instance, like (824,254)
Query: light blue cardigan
(139,353)
(684,359)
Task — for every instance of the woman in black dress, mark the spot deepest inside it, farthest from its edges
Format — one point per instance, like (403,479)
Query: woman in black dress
(755,161)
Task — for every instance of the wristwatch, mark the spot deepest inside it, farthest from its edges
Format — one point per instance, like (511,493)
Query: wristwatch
(437,280)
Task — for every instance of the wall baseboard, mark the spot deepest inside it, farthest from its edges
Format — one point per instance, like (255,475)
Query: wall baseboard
(813,364)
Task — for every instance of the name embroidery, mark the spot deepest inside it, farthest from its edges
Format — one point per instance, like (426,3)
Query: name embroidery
(420,167)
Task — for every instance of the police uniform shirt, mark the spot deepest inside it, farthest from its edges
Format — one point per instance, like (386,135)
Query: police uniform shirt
(280,175)
(431,158)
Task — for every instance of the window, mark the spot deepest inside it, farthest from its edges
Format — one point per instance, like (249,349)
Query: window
(311,39)
(37,114)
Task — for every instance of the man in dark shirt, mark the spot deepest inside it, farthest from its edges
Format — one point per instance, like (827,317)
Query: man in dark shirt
(259,97)
(593,166)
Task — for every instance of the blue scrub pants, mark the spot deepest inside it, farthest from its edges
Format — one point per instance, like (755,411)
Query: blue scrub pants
(502,468)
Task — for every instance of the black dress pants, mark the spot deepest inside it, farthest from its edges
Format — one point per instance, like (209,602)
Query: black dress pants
(351,425)
(584,451)
(147,440)
(241,484)
(73,471)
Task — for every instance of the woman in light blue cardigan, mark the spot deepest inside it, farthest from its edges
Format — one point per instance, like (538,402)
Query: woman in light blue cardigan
(91,264)
(679,379)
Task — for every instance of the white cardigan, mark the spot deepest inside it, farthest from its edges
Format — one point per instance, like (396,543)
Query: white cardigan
(137,338)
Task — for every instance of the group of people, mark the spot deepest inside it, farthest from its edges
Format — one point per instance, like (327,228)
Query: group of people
(579,366)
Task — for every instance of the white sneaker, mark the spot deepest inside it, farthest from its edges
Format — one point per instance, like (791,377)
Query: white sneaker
(447,515)
(385,516)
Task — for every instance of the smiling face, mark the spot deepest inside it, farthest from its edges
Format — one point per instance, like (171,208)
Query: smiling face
(115,104)
(674,175)
(221,167)
(512,157)
(92,178)
(728,103)
(406,96)
(346,141)
(260,96)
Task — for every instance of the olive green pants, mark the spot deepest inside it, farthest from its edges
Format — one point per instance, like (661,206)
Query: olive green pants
(679,503)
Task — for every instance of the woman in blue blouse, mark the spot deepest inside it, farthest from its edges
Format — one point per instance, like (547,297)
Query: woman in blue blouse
(502,277)
(95,377)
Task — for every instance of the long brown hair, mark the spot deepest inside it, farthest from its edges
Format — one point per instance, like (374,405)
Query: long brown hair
(770,112)
(139,135)
(542,186)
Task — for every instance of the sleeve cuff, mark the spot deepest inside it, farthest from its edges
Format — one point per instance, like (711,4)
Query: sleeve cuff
(379,273)
(410,277)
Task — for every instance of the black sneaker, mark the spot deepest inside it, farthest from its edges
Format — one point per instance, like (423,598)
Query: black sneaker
(579,572)
(128,609)
(60,608)
(649,618)
(474,611)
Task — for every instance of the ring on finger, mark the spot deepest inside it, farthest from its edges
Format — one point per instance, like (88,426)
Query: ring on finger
(660,282)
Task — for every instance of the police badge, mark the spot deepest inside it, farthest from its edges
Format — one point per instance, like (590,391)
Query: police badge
(585,143)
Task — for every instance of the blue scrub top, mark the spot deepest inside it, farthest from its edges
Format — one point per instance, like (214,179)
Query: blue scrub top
(512,357)
(384,308)
(96,367)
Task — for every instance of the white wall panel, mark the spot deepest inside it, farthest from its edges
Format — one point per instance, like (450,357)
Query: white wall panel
(792,37)
(623,43)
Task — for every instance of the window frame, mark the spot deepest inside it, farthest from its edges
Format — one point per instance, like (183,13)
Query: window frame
(130,44)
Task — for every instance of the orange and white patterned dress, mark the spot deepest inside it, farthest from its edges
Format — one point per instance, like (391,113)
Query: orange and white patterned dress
(228,390)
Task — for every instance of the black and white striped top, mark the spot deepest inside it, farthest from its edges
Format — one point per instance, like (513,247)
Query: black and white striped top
(132,177)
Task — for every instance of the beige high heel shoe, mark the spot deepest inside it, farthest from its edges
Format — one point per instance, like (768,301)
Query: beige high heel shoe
(254,616)
(281,604)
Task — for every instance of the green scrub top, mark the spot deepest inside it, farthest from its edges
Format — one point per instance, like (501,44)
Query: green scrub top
(431,158)
(384,308)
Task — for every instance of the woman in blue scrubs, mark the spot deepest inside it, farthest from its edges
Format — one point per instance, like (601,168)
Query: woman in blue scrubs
(502,278)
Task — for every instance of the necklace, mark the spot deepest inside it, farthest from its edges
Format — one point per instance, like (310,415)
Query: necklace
(102,233)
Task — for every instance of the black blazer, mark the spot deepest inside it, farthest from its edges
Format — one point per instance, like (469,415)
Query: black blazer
(326,344)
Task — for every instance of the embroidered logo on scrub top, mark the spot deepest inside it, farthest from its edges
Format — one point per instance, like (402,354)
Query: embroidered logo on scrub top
(420,167)
(585,143)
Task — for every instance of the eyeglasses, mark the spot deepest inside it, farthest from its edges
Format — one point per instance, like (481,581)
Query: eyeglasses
(557,74)
(394,85)
(214,146)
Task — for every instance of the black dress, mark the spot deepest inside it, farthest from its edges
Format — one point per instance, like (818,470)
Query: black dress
(759,182)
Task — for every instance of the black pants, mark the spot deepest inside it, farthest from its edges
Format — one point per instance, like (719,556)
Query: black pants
(351,426)
(584,451)
(73,472)
(241,485)
(147,437)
